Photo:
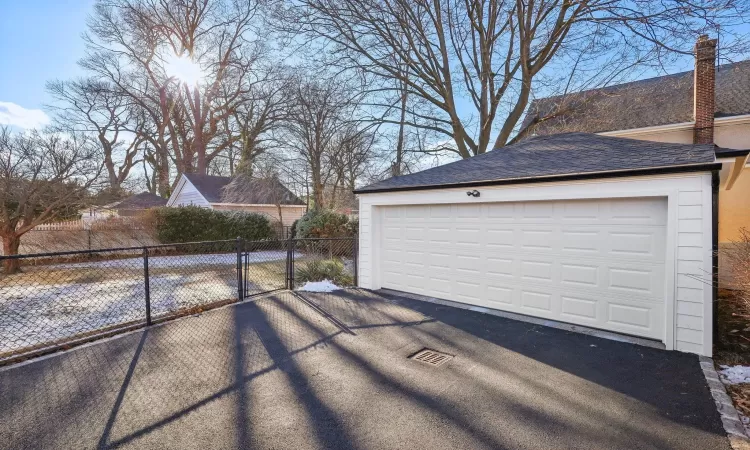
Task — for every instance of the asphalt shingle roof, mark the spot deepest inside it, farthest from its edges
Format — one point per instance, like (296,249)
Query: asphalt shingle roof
(556,155)
(246,190)
(144,200)
(645,103)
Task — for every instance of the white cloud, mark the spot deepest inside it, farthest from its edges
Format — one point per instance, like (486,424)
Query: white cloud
(18,116)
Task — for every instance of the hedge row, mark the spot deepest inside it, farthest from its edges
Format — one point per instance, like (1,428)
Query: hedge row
(193,223)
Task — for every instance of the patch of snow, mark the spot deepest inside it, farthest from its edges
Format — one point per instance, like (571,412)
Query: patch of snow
(735,374)
(319,286)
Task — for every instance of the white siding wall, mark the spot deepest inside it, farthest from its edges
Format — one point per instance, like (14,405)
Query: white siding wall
(688,260)
(186,195)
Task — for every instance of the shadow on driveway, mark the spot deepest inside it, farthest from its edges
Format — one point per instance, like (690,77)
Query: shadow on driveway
(275,373)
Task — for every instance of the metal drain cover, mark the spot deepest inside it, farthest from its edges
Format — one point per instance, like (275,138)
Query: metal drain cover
(431,357)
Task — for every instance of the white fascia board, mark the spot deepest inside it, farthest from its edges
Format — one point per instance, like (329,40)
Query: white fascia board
(648,130)
(719,121)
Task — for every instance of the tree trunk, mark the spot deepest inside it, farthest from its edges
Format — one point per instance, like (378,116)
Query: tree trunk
(396,170)
(11,243)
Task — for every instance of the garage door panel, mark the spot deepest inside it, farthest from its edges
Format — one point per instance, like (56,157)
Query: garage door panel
(544,239)
(577,307)
(467,236)
(580,211)
(441,211)
(597,263)
(499,266)
(538,211)
(579,241)
(537,301)
(630,316)
(502,212)
(646,281)
(642,243)
(502,238)
(469,213)
(500,294)
(648,211)
(470,290)
(580,275)
(537,271)
(470,264)
(438,235)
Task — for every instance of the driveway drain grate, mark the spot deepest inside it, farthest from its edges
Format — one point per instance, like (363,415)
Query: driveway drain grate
(431,357)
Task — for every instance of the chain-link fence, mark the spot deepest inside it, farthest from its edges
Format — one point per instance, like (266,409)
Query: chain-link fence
(332,260)
(61,299)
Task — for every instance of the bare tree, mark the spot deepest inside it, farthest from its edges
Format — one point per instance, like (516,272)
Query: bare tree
(148,49)
(471,65)
(352,156)
(91,106)
(43,176)
(321,110)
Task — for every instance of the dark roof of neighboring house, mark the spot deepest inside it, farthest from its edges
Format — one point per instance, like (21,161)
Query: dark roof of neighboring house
(656,101)
(144,200)
(243,190)
(560,156)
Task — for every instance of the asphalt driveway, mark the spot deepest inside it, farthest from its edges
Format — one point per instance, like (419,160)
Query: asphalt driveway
(279,373)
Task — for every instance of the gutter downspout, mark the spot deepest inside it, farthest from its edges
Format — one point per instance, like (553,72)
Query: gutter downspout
(715,252)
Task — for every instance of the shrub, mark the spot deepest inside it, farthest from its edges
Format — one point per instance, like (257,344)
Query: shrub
(324,269)
(192,223)
(352,226)
(322,224)
(737,256)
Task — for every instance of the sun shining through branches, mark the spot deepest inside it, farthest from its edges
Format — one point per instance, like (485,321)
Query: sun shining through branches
(184,69)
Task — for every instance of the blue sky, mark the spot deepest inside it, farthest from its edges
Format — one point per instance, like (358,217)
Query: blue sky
(40,40)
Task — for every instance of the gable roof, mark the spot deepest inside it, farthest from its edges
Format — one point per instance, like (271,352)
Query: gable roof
(560,156)
(655,101)
(144,200)
(243,190)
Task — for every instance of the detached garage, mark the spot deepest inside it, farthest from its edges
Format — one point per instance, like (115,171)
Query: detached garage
(603,232)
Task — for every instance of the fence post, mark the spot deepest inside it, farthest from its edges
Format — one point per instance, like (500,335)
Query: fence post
(289,282)
(356,261)
(147,285)
(240,288)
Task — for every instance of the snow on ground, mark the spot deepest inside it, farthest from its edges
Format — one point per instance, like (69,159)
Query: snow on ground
(50,312)
(34,313)
(735,374)
(319,286)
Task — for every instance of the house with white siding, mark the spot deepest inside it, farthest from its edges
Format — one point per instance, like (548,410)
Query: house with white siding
(264,196)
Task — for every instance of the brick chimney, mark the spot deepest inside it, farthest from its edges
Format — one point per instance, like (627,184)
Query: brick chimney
(704,86)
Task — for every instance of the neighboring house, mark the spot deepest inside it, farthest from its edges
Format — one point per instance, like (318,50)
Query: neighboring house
(138,203)
(264,196)
(130,206)
(707,105)
(600,231)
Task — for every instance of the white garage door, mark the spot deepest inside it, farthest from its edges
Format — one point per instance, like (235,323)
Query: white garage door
(598,263)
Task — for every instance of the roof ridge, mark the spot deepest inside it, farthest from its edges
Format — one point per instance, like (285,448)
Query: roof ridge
(636,82)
